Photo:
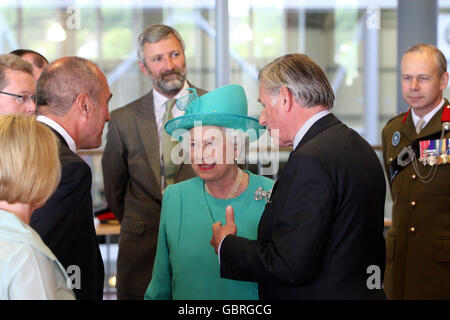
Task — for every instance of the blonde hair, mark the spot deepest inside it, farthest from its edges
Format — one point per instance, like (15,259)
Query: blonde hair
(30,169)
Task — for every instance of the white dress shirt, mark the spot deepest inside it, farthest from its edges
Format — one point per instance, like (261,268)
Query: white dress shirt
(306,126)
(428,116)
(159,102)
(55,126)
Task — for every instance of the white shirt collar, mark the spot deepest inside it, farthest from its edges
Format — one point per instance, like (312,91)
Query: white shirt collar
(307,125)
(160,100)
(428,116)
(54,125)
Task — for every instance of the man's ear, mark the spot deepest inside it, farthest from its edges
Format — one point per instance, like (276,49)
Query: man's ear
(84,106)
(143,68)
(444,81)
(286,98)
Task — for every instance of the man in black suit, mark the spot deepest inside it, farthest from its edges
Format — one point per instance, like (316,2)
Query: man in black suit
(321,233)
(73,96)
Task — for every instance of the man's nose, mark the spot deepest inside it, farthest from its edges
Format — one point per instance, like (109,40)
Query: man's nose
(414,84)
(169,63)
(30,108)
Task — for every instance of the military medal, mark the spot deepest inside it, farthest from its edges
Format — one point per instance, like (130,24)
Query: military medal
(431,158)
(396,138)
(434,152)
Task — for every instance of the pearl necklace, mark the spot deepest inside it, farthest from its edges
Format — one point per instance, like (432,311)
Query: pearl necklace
(234,189)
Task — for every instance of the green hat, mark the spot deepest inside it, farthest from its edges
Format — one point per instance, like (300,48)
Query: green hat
(223,107)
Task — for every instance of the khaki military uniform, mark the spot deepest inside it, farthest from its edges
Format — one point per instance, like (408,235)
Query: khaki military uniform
(418,243)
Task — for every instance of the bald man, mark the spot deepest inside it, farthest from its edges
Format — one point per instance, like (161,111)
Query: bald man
(73,101)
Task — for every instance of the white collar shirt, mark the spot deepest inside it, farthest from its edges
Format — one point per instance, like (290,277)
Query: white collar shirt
(428,116)
(307,125)
(159,103)
(55,126)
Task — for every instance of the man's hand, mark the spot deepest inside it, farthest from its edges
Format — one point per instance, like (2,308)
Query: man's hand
(220,232)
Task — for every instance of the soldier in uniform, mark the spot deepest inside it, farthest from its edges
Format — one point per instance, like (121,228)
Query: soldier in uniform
(416,157)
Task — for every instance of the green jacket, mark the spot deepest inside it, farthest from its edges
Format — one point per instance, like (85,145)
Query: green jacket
(186,266)
(418,242)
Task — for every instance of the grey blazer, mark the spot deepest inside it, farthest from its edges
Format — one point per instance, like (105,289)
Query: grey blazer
(132,181)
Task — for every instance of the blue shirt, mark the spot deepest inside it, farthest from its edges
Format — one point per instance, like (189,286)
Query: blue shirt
(28,269)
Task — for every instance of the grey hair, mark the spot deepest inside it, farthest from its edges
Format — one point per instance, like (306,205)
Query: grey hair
(12,62)
(440,58)
(302,76)
(154,33)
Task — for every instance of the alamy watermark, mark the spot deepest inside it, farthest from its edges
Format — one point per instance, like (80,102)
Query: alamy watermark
(373,17)
(73,20)
(374,280)
(73,277)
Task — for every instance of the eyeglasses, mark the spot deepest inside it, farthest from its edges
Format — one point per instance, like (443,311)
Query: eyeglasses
(21,98)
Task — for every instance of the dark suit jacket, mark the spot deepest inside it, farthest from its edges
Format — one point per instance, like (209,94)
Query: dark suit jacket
(323,227)
(66,224)
(132,179)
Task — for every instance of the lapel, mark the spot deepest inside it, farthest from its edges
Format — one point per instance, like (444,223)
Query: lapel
(146,125)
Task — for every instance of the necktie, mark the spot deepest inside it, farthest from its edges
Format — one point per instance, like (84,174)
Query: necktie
(170,168)
(419,125)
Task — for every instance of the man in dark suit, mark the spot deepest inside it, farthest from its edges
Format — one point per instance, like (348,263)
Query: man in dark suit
(321,233)
(73,96)
(135,167)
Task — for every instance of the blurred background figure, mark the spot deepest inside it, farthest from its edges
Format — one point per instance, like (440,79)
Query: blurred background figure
(37,60)
(17,86)
(29,173)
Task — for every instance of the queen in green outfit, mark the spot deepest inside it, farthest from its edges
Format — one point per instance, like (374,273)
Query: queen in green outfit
(213,129)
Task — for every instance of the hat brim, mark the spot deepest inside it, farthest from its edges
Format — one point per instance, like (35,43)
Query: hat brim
(227,120)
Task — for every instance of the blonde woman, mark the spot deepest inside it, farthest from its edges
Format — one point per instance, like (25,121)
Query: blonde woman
(29,173)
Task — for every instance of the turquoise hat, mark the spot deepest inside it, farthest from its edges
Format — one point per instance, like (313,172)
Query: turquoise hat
(223,107)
